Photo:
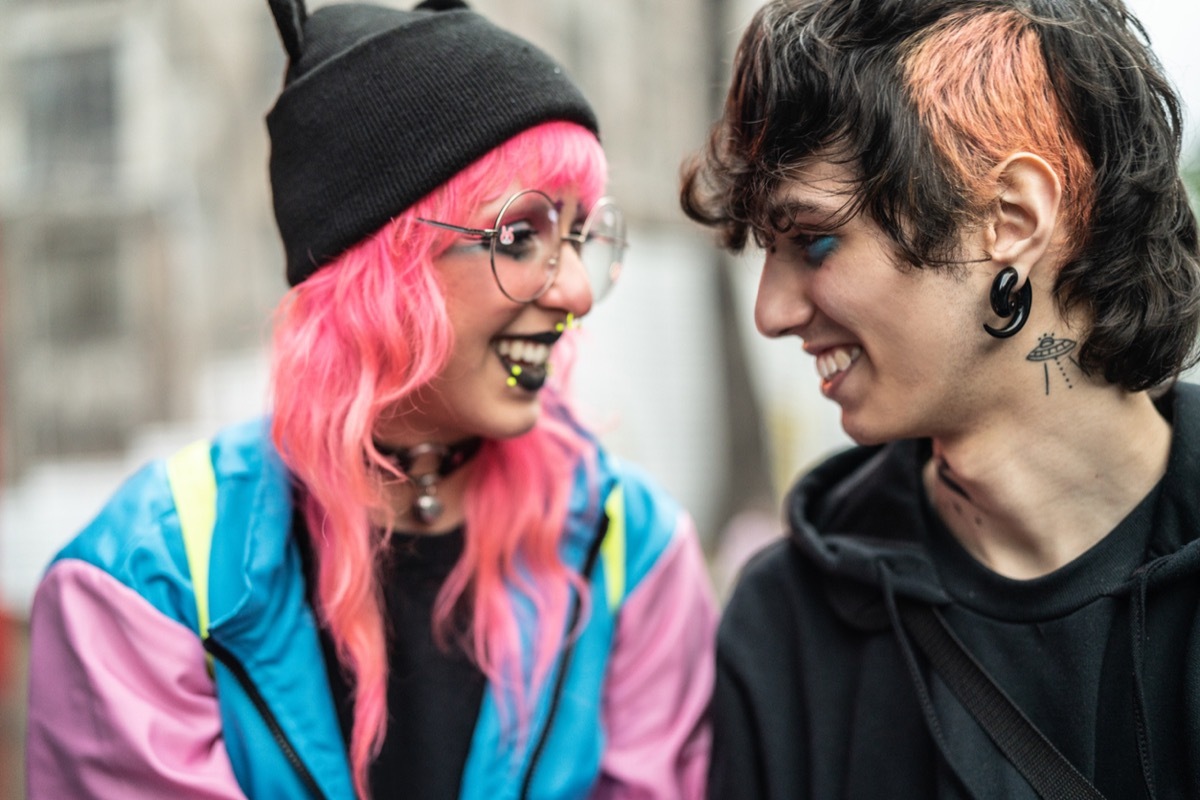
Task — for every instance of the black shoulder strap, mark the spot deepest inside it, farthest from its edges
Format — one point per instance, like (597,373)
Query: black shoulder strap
(1048,771)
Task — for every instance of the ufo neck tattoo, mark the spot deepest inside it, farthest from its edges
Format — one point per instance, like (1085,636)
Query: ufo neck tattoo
(1057,351)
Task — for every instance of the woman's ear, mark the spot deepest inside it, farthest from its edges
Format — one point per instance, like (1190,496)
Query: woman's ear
(1024,217)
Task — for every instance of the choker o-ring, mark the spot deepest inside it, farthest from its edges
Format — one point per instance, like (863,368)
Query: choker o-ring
(426,507)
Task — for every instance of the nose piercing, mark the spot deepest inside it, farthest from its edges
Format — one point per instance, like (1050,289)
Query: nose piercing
(569,323)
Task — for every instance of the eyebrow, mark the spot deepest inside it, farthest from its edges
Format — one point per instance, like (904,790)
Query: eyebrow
(793,208)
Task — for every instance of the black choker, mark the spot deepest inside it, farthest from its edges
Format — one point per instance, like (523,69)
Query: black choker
(448,457)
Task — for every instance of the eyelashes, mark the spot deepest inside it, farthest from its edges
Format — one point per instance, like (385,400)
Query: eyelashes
(808,249)
(804,249)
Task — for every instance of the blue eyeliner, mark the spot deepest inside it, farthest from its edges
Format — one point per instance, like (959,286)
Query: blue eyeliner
(820,248)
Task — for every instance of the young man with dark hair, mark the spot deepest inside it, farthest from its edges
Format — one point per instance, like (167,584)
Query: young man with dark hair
(972,217)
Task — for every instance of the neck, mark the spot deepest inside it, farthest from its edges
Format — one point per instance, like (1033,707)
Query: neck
(430,497)
(1037,487)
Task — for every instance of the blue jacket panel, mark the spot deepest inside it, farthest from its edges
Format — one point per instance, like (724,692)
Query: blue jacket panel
(260,618)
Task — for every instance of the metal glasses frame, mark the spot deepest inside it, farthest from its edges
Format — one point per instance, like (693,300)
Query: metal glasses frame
(491,235)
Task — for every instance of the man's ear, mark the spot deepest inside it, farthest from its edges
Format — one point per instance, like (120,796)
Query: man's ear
(1024,216)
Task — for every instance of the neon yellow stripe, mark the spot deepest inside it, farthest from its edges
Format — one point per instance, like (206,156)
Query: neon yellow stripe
(612,549)
(194,487)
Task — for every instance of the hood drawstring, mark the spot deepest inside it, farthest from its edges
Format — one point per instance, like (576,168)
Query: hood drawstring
(918,680)
(1137,633)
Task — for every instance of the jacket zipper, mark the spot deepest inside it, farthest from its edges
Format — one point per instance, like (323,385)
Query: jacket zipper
(235,667)
(560,680)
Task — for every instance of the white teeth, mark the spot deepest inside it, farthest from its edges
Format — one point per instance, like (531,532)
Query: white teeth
(839,359)
(532,353)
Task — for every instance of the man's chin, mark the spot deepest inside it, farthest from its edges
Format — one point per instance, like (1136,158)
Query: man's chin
(862,432)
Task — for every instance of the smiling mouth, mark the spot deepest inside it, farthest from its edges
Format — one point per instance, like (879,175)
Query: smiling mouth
(526,358)
(836,360)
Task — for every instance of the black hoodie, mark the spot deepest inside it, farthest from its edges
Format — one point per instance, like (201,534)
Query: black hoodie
(818,686)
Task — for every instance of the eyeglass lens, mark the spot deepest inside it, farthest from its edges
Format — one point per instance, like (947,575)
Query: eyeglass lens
(528,243)
(604,246)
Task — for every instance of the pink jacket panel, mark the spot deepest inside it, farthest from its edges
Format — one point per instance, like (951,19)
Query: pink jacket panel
(121,705)
(660,679)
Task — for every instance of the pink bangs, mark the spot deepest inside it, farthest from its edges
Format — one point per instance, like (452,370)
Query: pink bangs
(362,334)
(552,157)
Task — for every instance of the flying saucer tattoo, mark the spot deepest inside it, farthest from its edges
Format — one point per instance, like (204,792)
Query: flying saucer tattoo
(1050,349)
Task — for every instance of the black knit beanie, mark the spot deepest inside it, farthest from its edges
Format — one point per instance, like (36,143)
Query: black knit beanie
(381,106)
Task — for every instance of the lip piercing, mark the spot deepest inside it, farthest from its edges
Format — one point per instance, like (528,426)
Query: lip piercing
(516,373)
(530,381)
(569,323)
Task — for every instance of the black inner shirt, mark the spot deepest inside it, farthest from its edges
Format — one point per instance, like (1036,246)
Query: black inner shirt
(434,696)
(1059,645)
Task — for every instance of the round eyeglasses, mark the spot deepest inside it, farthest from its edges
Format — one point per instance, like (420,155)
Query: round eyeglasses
(526,244)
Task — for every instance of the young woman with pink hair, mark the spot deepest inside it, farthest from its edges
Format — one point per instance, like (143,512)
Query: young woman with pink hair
(422,577)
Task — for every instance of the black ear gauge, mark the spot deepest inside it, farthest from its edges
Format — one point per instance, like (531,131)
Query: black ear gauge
(1013,305)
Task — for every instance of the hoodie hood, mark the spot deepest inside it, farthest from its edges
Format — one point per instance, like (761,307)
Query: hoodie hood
(861,517)
(863,520)
(1174,550)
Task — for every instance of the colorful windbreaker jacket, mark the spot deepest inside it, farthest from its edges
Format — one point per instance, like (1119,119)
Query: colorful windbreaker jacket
(125,702)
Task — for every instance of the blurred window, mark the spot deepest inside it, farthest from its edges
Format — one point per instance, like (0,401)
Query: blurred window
(77,280)
(70,110)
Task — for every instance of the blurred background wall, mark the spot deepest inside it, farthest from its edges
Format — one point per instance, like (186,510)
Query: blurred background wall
(139,261)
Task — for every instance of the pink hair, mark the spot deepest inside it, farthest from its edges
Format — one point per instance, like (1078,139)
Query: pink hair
(981,86)
(351,341)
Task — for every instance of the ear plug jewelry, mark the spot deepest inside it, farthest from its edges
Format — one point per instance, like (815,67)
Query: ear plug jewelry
(1009,302)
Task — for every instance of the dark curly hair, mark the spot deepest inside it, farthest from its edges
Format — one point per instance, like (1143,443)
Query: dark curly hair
(923,98)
